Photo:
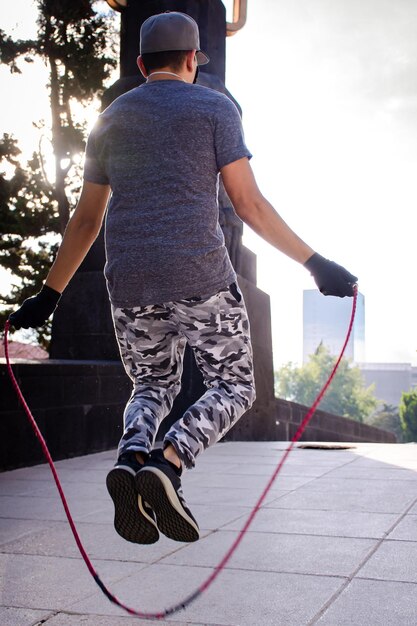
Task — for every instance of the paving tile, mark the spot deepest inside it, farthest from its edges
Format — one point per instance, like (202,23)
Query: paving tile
(66,475)
(328,556)
(262,469)
(48,489)
(21,617)
(383,473)
(386,463)
(406,529)
(247,448)
(211,461)
(12,530)
(233,480)
(220,497)
(344,501)
(323,515)
(381,488)
(394,560)
(66,619)
(376,603)
(318,522)
(41,508)
(272,460)
(264,598)
(53,583)
(10,487)
(100,542)
(37,472)
(211,517)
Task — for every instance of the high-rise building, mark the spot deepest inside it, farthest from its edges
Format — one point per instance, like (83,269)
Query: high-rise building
(326,320)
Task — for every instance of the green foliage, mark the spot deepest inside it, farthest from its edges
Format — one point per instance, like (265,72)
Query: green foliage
(408,415)
(73,41)
(28,217)
(76,42)
(387,418)
(347,395)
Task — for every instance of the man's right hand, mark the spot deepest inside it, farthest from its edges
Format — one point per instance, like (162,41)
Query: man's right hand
(35,311)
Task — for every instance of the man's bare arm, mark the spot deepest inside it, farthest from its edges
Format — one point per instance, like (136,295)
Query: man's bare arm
(253,209)
(80,234)
(250,205)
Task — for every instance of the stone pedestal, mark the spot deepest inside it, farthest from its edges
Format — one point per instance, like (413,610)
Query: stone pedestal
(82,325)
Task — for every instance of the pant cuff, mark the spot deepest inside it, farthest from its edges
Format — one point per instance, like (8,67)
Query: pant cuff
(186,459)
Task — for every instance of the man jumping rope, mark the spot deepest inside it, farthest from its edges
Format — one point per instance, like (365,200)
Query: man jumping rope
(158,150)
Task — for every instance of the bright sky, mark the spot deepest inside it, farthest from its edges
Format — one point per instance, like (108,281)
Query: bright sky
(328,90)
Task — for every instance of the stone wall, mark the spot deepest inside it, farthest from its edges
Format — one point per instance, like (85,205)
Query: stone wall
(325,426)
(79,406)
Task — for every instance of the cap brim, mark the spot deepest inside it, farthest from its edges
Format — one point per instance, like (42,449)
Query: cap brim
(202,58)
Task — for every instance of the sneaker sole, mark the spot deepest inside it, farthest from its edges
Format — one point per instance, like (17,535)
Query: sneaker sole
(171,518)
(130,519)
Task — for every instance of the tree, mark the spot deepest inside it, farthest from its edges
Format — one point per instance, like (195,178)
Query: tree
(347,395)
(388,418)
(76,42)
(408,414)
(28,216)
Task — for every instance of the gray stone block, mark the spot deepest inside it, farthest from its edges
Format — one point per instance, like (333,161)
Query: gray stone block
(288,553)
(265,598)
(66,619)
(212,517)
(394,560)
(50,509)
(52,583)
(100,541)
(376,603)
(22,617)
(221,497)
(268,552)
(16,529)
(380,473)
(406,529)
(413,510)
(383,488)
(320,522)
(344,501)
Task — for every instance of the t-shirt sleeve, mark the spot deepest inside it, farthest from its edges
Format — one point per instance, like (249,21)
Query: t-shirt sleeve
(228,136)
(94,171)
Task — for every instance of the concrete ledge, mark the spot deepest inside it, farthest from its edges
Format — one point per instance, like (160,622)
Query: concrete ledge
(325,426)
(79,407)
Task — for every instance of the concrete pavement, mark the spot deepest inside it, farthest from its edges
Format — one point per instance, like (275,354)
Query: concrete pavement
(335,543)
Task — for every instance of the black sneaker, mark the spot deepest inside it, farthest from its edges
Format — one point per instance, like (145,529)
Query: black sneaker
(159,484)
(133,518)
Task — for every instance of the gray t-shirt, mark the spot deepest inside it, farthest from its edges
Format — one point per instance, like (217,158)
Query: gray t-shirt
(160,148)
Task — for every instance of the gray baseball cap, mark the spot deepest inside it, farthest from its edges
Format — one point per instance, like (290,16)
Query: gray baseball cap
(171,30)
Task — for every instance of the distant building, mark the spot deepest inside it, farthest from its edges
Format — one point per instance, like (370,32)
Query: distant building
(390,379)
(326,320)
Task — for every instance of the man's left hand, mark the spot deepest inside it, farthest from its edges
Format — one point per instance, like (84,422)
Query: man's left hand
(331,279)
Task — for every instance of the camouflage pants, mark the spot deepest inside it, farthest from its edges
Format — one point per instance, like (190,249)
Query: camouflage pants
(152,341)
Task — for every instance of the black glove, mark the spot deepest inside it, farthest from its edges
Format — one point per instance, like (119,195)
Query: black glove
(331,279)
(35,311)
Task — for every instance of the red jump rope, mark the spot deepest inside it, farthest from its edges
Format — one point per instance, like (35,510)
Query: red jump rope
(206,584)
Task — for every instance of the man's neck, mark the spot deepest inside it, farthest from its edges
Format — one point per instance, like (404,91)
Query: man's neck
(164,74)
